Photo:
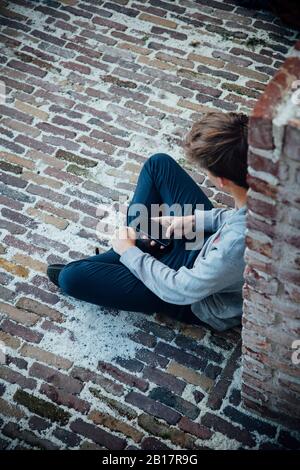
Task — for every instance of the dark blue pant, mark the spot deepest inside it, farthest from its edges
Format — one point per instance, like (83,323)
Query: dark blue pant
(103,280)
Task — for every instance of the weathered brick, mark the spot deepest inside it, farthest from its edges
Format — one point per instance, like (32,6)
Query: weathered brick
(180,356)
(31,69)
(202,432)
(18,315)
(61,381)
(219,390)
(29,289)
(156,64)
(38,424)
(189,375)
(61,397)
(199,87)
(6,294)
(41,407)
(52,359)
(115,425)
(16,432)
(69,438)
(85,375)
(225,427)
(48,193)
(21,331)
(10,410)
(98,435)
(48,37)
(17,361)
(133,365)
(46,243)
(20,116)
(40,309)
(158,20)
(250,423)
(151,443)
(117,405)
(168,398)
(9,340)
(122,376)
(143,338)
(14,377)
(17,270)
(153,407)
(159,429)
(29,262)
(190,344)
(164,379)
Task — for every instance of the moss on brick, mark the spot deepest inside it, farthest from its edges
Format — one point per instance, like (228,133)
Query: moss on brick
(117,81)
(124,410)
(71,157)
(241,90)
(253,41)
(42,407)
(3,249)
(176,436)
(5,166)
(76,170)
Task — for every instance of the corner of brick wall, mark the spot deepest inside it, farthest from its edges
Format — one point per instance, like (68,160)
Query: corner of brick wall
(271,313)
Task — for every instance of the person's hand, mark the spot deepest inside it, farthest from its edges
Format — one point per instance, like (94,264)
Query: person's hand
(124,238)
(176,225)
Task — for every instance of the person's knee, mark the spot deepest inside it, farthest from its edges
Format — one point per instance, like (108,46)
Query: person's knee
(69,280)
(158,160)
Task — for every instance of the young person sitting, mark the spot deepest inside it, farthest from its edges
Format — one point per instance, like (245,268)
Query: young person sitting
(198,286)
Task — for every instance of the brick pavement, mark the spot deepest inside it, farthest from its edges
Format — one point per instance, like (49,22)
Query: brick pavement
(92,90)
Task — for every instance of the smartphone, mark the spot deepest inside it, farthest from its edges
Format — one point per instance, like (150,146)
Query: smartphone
(154,231)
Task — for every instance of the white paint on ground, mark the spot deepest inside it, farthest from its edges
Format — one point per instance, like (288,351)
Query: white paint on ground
(93,333)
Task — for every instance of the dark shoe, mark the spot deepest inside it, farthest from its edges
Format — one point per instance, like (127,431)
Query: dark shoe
(53,271)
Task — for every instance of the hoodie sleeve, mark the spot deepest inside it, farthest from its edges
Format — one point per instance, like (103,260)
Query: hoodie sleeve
(212,219)
(221,268)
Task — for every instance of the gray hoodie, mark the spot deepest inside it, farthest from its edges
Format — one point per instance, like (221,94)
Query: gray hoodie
(213,286)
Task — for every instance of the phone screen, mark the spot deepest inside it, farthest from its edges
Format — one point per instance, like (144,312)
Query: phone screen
(153,230)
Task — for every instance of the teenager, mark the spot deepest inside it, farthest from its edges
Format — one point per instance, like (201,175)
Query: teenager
(202,285)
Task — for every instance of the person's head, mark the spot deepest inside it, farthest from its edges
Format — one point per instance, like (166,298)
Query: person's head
(217,143)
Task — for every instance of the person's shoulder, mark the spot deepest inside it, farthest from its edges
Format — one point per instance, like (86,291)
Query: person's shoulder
(237,222)
(234,240)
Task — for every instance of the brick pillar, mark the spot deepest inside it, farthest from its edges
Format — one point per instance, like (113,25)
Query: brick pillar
(271,317)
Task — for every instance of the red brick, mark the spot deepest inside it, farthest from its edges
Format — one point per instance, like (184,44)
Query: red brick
(21,331)
(153,407)
(48,37)
(31,69)
(164,379)
(61,397)
(122,376)
(14,431)
(225,427)
(187,425)
(9,375)
(98,435)
(77,67)
(61,381)
(260,129)
(37,292)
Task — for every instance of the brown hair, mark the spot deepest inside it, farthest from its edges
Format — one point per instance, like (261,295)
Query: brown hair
(218,143)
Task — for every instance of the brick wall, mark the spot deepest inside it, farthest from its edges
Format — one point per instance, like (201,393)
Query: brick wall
(271,321)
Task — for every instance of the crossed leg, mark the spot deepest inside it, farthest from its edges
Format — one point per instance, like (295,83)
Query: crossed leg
(103,280)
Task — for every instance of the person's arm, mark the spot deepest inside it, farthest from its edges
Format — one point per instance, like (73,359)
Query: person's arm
(219,269)
(211,220)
